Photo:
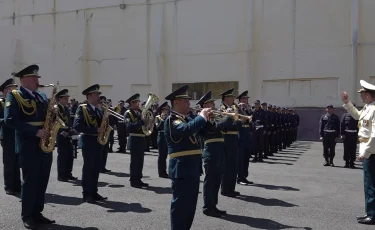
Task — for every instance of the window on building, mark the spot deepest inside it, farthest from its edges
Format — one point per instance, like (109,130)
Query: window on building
(198,89)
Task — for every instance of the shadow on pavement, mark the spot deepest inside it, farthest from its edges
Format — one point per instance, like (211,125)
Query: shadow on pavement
(275,187)
(265,201)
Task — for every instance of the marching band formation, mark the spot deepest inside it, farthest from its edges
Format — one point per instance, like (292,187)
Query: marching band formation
(215,142)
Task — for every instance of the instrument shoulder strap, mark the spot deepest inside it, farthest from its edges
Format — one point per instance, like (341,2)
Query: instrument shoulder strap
(131,115)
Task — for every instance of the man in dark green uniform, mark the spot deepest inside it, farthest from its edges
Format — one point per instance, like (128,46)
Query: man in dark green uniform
(213,157)
(103,169)
(163,113)
(25,111)
(64,143)
(87,121)
(244,136)
(137,141)
(184,158)
(12,181)
(228,183)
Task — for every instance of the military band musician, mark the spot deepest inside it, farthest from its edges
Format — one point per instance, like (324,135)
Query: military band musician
(163,113)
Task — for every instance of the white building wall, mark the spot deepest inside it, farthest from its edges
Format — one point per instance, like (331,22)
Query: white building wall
(290,52)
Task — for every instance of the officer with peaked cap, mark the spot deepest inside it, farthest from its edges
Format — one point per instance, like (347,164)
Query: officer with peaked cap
(25,111)
(12,181)
(213,156)
(259,117)
(329,131)
(163,113)
(366,134)
(245,141)
(185,157)
(87,121)
(349,134)
(228,184)
(137,141)
(64,145)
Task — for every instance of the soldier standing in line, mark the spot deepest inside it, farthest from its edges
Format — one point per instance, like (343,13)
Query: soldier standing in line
(185,157)
(296,120)
(291,124)
(228,184)
(284,120)
(349,133)
(276,130)
(267,132)
(329,131)
(65,151)
(103,169)
(112,123)
(244,136)
(272,130)
(258,131)
(121,128)
(12,176)
(162,114)
(26,111)
(137,141)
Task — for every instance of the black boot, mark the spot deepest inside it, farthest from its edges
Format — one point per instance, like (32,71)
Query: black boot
(326,162)
(346,164)
(331,162)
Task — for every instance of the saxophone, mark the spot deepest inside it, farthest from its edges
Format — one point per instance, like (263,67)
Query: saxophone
(104,127)
(52,124)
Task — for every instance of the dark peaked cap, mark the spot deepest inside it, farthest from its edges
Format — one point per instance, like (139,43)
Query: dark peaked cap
(163,106)
(228,93)
(244,94)
(92,89)
(205,99)
(62,93)
(7,83)
(29,71)
(135,97)
(179,93)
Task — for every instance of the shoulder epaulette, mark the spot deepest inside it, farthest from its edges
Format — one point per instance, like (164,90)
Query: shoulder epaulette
(158,116)
(81,105)
(127,111)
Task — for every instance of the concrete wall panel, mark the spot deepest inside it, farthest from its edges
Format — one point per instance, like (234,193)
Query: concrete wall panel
(366,21)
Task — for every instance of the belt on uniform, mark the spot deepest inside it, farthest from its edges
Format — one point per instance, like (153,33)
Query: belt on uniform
(136,135)
(245,126)
(89,134)
(64,127)
(120,122)
(185,153)
(36,123)
(363,139)
(72,115)
(214,140)
(230,133)
(259,126)
(351,131)
(161,131)
(329,131)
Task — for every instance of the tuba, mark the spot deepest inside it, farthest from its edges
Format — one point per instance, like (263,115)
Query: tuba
(52,124)
(148,116)
(104,127)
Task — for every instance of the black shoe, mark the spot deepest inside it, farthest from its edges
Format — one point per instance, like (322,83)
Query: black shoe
(362,217)
(89,199)
(346,165)
(326,163)
(30,224)
(228,194)
(211,212)
(62,179)
(255,159)
(260,159)
(136,185)
(368,220)
(72,177)
(163,175)
(143,184)
(221,212)
(265,157)
(99,197)
(43,220)
(10,192)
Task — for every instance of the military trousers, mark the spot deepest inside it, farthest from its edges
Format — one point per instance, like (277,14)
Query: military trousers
(121,133)
(329,144)
(258,140)
(213,163)
(64,157)
(137,156)
(266,143)
(163,154)
(228,183)
(184,202)
(11,166)
(273,142)
(92,153)
(350,146)
(369,185)
(36,168)
(111,139)
(244,151)
(104,156)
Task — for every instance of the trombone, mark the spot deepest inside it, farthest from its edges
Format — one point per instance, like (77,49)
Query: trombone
(117,115)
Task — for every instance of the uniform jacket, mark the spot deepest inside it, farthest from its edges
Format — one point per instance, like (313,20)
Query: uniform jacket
(329,123)
(87,120)
(348,123)
(133,121)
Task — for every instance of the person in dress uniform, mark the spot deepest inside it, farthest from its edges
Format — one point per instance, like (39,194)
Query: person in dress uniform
(271,130)
(213,157)
(185,157)
(121,128)
(366,136)
(103,169)
(12,177)
(25,111)
(65,151)
(244,136)
(163,113)
(228,184)
(349,133)
(277,129)
(137,141)
(87,121)
(112,123)
(267,130)
(329,131)
(259,117)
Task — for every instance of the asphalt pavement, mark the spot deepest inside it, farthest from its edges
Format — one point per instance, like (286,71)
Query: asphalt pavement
(292,190)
